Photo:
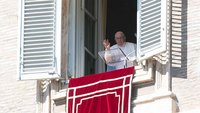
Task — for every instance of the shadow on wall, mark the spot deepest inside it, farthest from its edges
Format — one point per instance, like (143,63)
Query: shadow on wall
(179,39)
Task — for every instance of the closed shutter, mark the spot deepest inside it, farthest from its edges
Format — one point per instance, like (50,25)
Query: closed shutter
(151,36)
(39,39)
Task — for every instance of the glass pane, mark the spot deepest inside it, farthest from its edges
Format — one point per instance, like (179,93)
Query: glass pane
(89,64)
(89,5)
(89,34)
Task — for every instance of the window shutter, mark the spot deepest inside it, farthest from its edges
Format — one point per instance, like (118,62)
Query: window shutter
(151,36)
(40,36)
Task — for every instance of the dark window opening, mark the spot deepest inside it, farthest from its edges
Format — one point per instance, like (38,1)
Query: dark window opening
(121,16)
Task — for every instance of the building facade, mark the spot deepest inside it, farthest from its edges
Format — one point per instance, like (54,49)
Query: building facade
(44,43)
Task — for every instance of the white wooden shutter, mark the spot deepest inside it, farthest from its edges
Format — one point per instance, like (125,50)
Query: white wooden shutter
(40,27)
(151,36)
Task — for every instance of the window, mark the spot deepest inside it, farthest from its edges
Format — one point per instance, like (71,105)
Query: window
(145,18)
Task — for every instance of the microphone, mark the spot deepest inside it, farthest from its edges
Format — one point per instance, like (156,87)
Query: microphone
(123,53)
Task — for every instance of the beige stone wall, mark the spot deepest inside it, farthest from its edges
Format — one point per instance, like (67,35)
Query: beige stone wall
(186,55)
(15,96)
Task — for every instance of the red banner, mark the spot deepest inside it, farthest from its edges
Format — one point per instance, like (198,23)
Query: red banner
(108,92)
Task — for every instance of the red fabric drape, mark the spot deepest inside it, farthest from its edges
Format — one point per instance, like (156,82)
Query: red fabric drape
(107,92)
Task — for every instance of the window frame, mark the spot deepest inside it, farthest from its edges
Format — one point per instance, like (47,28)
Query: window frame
(76,38)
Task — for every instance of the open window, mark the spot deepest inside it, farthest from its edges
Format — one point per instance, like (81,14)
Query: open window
(143,22)
(92,21)
(121,16)
(145,18)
